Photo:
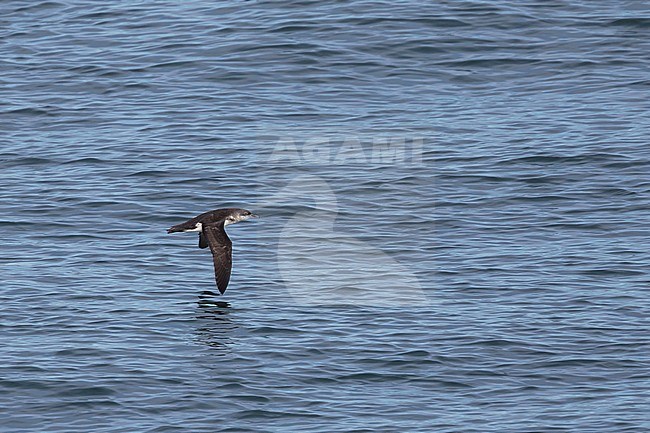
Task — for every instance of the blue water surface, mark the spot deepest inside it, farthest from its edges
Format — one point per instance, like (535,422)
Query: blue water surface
(492,156)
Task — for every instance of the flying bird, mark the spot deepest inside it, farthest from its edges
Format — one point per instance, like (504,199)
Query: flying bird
(211,227)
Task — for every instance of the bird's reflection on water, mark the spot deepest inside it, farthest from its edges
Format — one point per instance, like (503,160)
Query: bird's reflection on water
(206,299)
(215,325)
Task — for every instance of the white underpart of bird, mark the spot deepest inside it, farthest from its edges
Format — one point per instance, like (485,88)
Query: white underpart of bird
(322,265)
(198,228)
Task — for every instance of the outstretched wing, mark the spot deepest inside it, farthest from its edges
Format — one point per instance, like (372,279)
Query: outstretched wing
(203,242)
(221,248)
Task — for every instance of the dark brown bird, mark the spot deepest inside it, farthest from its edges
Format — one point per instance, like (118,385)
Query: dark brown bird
(211,227)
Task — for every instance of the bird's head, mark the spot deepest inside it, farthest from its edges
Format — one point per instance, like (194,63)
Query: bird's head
(238,215)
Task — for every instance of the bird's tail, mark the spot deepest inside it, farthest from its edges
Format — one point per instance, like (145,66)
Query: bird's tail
(174,229)
(182,227)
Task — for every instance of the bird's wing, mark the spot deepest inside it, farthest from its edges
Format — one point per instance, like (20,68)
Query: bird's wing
(203,242)
(221,248)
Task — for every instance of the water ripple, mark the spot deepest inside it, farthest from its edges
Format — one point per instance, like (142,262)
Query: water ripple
(524,220)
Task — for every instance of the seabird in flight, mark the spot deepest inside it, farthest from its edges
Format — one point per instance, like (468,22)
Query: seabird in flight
(211,227)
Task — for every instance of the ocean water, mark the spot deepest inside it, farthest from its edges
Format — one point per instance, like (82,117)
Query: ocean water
(454,201)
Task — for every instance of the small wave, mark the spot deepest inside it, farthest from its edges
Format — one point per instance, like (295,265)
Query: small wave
(42,6)
(149,173)
(29,111)
(27,161)
(86,391)
(493,62)
(85,161)
(642,23)
(612,272)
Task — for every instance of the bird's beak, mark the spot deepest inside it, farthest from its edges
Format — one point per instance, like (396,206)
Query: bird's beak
(254,216)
